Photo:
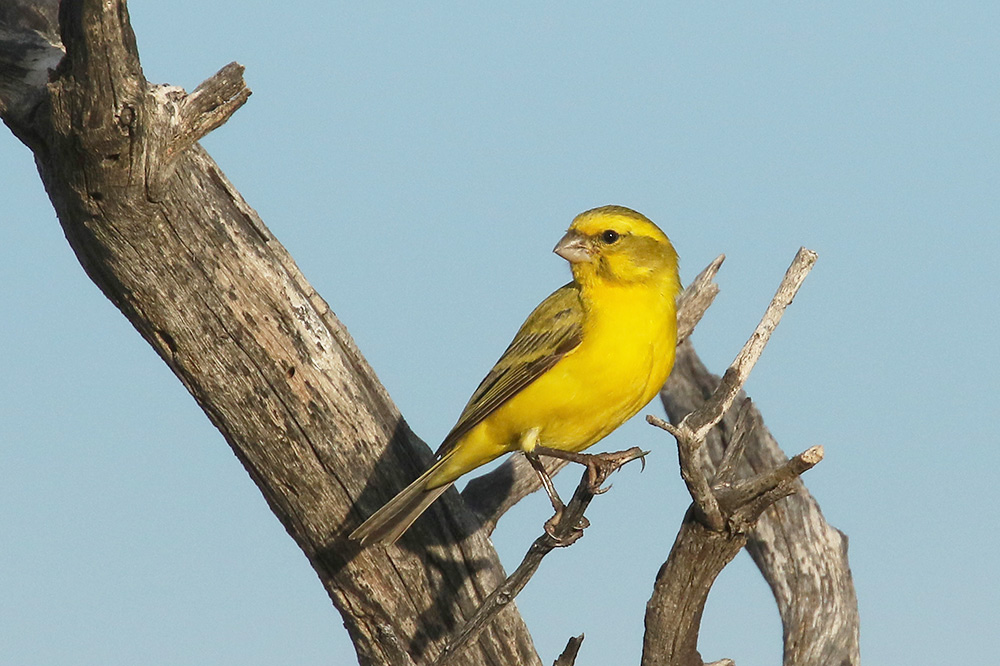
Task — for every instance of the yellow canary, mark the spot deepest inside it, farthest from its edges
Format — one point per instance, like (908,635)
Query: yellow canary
(587,359)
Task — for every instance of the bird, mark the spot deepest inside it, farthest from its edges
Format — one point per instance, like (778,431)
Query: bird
(586,359)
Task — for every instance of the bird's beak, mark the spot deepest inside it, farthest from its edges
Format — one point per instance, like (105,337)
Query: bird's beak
(573,247)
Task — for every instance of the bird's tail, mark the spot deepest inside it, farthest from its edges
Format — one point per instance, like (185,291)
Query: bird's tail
(387,524)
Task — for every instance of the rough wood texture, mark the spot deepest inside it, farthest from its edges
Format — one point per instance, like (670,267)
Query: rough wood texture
(29,47)
(803,558)
(168,239)
(568,656)
(695,426)
(724,507)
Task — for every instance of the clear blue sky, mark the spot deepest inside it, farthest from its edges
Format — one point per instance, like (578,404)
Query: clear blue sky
(420,165)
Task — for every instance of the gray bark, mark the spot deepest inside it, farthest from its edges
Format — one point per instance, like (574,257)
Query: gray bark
(173,245)
(166,237)
(802,557)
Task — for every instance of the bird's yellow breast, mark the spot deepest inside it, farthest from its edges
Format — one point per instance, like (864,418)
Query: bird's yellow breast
(625,356)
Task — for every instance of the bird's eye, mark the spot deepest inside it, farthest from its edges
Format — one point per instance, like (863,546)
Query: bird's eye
(610,236)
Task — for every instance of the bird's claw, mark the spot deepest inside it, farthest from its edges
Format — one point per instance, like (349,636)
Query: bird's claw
(601,491)
(602,465)
(569,539)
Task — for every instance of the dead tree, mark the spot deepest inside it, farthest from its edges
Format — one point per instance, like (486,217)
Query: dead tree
(169,240)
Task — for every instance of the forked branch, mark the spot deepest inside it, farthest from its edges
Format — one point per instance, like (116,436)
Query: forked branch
(802,557)
(715,527)
(693,429)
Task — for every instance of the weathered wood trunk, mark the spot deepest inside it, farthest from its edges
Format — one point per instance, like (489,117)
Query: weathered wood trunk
(170,241)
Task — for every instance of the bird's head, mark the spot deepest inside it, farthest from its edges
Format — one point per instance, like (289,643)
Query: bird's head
(617,245)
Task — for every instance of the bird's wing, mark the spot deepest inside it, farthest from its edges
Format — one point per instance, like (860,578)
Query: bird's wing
(551,331)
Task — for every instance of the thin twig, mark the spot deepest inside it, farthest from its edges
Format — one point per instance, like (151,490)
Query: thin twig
(565,532)
(692,430)
(770,486)
(703,420)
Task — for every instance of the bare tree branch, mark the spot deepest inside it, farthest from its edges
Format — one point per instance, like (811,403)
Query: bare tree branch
(207,107)
(674,611)
(725,473)
(694,427)
(169,240)
(568,656)
(801,556)
(715,527)
(694,301)
(565,532)
(704,419)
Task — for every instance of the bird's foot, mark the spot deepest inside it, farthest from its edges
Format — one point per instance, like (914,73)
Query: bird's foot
(569,539)
(601,465)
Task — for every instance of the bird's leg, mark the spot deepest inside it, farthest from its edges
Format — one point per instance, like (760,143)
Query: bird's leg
(550,490)
(599,465)
(529,442)
(543,476)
